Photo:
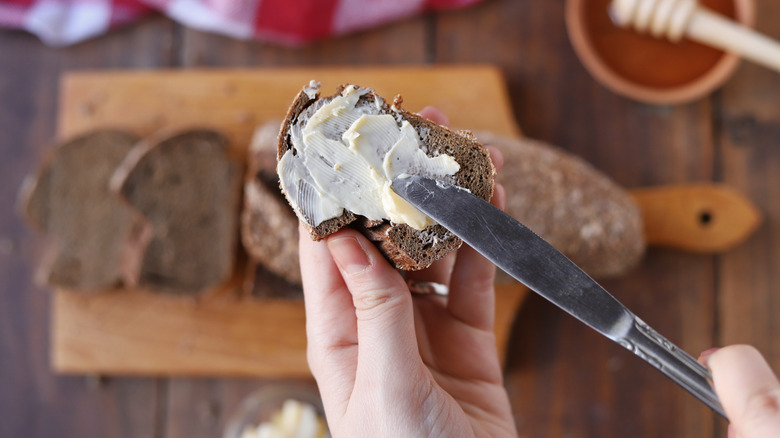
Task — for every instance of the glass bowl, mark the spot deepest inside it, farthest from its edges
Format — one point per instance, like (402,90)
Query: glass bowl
(261,405)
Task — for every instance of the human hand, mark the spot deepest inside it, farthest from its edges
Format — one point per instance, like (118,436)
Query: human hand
(391,363)
(748,390)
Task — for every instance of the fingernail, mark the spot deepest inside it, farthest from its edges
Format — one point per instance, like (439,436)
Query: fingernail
(704,357)
(348,254)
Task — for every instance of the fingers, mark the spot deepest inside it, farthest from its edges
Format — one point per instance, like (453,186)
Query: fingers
(496,157)
(704,357)
(331,327)
(387,345)
(748,390)
(439,272)
(472,292)
(472,296)
(470,274)
(435,115)
(499,197)
(325,291)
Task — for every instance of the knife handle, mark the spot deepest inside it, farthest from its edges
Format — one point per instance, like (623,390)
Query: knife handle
(678,365)
(697,217)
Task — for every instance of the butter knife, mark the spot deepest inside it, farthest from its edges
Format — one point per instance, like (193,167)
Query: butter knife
(529,259)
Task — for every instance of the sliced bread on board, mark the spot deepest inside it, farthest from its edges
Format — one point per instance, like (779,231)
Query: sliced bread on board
(186,188)
(269,228)
(69,200)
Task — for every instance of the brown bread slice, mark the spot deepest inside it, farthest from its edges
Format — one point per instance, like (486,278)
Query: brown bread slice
(70,202)
(576,208)
(269,229)
(187,189)
(406,247)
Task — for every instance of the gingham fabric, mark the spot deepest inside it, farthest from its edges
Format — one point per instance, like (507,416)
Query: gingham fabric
(289,22)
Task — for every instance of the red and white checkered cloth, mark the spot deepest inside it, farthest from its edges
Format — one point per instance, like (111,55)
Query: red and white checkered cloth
(290,22)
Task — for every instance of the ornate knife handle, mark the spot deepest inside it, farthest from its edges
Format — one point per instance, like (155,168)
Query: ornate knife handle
(678,365)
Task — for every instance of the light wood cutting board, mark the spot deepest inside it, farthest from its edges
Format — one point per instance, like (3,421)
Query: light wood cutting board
(225,333)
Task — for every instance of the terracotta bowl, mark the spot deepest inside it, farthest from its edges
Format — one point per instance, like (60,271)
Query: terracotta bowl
(692,90)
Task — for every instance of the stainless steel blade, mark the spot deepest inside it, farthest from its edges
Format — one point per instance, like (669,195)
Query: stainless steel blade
(528,258)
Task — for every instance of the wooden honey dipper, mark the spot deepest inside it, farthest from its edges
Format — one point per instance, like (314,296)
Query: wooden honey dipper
(674,19)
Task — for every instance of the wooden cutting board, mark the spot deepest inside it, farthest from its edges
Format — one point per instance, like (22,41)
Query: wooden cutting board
(224,332)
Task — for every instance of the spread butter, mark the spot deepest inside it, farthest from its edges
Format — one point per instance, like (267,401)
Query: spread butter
(346,155)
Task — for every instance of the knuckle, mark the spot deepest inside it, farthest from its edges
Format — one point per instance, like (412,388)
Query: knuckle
(477,281)
(483,283)
(374,301)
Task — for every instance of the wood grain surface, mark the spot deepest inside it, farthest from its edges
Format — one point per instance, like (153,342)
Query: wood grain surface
(563,380)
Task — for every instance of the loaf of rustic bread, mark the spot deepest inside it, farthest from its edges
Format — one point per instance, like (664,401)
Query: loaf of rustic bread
(186,188)
(69,200)
(576,208)
(406,247)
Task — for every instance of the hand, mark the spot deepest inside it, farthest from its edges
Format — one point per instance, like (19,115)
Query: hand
(390,363)
(748,390)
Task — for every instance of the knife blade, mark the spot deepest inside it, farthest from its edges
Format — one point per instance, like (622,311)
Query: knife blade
(521,253)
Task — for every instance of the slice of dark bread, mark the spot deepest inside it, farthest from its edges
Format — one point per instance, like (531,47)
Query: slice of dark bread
(406,247)
(576,208)
(187,189)
(269,229)
(70,201)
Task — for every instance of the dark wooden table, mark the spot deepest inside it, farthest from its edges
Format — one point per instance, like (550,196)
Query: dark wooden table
(564,380)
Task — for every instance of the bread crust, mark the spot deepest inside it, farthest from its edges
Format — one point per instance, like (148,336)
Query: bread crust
(405,247)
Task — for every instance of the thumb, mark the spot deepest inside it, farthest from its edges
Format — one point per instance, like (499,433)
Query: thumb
(748,389)
(383,306)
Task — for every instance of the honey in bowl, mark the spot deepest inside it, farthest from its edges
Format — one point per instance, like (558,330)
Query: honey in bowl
(644,59)
(644,67)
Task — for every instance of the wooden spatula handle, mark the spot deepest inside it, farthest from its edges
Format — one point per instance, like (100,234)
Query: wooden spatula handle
(702,217)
